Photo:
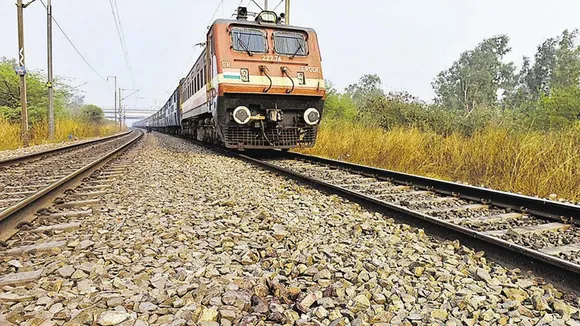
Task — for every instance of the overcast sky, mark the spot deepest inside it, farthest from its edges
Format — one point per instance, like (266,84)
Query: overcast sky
(405,42)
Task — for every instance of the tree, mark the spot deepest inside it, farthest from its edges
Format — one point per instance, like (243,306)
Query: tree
(567,70)
(36,93)
(369,87)
(92,113)
(476,79)
(556,65)
(539,78)
(561,108)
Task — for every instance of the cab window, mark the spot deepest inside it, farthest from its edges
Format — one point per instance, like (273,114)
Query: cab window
(249,40)
(289,43)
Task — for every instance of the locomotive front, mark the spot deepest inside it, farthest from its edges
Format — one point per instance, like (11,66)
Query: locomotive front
(269,89)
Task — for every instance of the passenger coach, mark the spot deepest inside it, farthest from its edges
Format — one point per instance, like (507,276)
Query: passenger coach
(258,84)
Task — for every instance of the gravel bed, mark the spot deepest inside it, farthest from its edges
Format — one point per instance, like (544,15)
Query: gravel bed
(193,238)
(571,256)
(504,225)
(6,154)
(546,239)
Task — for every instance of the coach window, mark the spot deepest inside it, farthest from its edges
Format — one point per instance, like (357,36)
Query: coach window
(292,44)
(249,40)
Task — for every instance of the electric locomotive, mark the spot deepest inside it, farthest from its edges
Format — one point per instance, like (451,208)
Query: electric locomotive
(257,85)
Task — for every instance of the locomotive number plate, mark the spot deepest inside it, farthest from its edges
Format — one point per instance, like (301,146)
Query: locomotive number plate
(271,58)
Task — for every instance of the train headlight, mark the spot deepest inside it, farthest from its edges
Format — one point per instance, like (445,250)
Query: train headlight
(242,115)
(312,116)
(267,17)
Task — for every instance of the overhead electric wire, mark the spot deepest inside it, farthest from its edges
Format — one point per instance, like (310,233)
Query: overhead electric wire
(119,27)
(125,43)
(74,47)
(278,5)
(202,36)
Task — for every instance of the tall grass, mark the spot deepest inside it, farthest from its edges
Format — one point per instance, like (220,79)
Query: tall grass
(10,132)
(533,163)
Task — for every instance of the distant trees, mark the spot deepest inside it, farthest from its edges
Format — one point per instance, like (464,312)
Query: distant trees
(544,92)
(479,90)
(556,66)
(476,78)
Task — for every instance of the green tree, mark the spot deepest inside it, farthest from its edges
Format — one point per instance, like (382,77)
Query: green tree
(556,65)
(369,87)
(36,93)
(339,106)
(567,70)
(561,108)
(539,78)
(92,113)
(476,79)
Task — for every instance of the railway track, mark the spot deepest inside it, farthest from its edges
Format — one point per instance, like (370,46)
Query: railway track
(34,181)
(211,234)
(540,235)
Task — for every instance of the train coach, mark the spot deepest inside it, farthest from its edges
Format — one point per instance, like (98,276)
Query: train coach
(257,85)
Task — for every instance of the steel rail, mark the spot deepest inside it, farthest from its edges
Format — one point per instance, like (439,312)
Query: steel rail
(548,209)
(27,205)
(558,271)
(29,157)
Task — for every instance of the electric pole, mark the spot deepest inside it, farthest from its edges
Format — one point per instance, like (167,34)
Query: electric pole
(21,70)
(115,77)
(50,76)
(265,4)
(122,115)
(120,110)
(287,17)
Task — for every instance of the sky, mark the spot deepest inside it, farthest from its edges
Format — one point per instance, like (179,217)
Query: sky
(406,42)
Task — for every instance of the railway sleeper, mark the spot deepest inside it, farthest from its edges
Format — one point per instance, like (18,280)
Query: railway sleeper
(18,193)
(20,278)
(80,203)
(57,227)
(72,214)
(389,191)
(488,219)
(537,229)
(26,186)
(86,194)
(363,185)
(97,187)
(10,201)
(562,249)
(428,201)
(41,247)
(472,207)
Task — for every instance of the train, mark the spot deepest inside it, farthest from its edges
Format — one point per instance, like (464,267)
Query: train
(258,84)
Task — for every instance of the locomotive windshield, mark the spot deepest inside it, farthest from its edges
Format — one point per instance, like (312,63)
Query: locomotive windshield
(293,44)
(249,40)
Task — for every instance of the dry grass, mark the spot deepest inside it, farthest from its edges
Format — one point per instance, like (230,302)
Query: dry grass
(10,132)
(533,163)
